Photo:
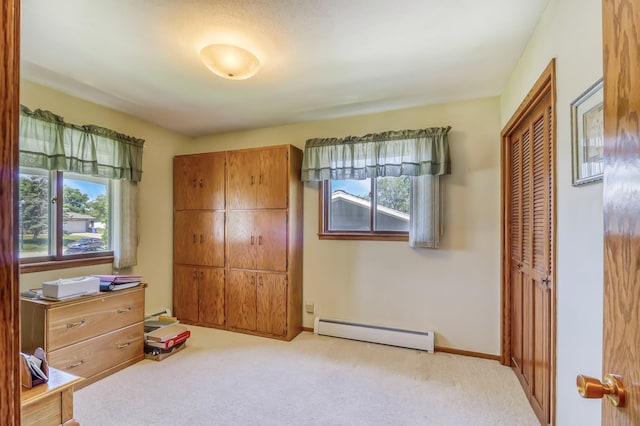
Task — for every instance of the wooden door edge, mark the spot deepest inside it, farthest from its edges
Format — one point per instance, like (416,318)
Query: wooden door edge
(10,389)
(545,84)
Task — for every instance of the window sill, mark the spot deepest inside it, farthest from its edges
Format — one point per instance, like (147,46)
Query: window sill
(363,237)
(52,265)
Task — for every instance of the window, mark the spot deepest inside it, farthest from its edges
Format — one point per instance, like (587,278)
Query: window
(412,160)
(88,215)
(76,228)
(366,209)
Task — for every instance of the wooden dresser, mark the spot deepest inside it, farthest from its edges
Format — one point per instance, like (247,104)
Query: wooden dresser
(91,336)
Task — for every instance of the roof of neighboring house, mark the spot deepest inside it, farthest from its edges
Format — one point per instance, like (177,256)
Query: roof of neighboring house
(344,196)
(78,216)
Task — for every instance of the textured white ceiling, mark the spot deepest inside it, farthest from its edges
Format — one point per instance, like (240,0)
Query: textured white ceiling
(321,58)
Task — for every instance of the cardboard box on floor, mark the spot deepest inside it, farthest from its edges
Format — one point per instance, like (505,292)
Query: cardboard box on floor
(160,357)
(165,333)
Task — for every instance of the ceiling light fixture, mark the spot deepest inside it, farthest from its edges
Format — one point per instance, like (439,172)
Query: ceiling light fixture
(230,62)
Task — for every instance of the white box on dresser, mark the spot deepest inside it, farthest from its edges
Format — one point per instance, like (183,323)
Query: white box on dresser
(70,287)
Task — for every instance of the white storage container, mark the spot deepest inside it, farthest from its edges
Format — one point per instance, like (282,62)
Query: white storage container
(70,287)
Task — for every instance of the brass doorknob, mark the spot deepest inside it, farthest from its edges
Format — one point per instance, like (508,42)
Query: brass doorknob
(590,387)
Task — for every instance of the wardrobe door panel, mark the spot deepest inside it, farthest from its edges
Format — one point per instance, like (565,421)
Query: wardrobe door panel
(242,239)
(210,238)
(272,304)
(185,292)
(243,175)
(273,179)
(271,231)
(210,182)
(185,237)
(241,300)
(211,291)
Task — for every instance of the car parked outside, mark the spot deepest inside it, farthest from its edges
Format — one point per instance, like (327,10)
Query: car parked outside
(85,245)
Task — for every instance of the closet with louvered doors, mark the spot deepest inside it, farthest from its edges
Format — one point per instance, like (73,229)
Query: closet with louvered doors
(529,229)
(198,238)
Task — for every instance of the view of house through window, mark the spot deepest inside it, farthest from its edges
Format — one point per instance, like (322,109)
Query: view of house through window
(83,216)
(371,205)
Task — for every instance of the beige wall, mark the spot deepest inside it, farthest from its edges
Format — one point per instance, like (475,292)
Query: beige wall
(571,31)
(156,198)
(455,290)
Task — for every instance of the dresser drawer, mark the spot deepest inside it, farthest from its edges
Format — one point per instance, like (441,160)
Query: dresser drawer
(101,353)
(79,321)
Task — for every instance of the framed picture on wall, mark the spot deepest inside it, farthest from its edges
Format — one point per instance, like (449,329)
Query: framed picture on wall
(587,135)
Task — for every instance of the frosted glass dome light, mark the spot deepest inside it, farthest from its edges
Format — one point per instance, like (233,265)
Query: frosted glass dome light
(230,62)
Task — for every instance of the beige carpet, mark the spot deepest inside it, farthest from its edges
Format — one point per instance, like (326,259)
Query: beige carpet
(224,378)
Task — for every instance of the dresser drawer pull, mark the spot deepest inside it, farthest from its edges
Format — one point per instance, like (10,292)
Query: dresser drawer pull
(124,310)
(77,364)
(75,324)
(123,345)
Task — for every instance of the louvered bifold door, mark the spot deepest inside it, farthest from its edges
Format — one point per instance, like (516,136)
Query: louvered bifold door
(529,243)
(515,233)
(541,258)
(530,230)
(525,266)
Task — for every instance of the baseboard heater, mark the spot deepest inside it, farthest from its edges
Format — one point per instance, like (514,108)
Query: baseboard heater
(422,340)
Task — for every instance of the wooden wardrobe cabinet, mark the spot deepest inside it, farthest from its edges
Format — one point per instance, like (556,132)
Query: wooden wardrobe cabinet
(238,255)
(198,238)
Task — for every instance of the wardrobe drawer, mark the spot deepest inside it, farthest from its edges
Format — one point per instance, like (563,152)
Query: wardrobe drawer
(101,353)
(76,322)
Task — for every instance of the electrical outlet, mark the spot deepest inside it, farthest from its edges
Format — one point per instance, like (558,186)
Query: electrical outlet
(309,307)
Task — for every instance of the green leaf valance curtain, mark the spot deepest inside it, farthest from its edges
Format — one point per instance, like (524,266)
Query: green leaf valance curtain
(47,142)
(394,153)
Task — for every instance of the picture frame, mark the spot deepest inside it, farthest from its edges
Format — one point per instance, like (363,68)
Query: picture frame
(587,135)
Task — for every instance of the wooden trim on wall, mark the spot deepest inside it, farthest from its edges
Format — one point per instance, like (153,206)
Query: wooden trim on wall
(9,269)
(545,84)
(454,351)
(29,267)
